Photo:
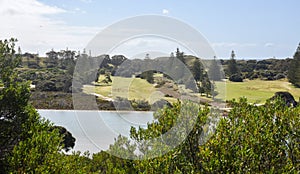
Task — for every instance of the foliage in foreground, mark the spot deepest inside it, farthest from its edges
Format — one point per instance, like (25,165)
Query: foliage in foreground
(251,139)
(41,152)
(255,139)
(27,143)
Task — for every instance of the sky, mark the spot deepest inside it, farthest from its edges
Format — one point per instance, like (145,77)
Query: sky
(254,29)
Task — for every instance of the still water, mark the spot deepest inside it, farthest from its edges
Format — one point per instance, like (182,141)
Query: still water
(96,130)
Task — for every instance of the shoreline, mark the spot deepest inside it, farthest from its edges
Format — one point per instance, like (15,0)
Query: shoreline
(69,110)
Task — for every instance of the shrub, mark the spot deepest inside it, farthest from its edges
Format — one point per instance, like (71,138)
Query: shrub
(236,78)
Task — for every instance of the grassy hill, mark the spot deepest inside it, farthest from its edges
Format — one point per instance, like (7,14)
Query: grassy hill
(134,89)
(131,88)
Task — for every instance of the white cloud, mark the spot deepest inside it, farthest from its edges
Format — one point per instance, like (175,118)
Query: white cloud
(269,44)
(27,7)
(30,22)
(165,11)
(78,10)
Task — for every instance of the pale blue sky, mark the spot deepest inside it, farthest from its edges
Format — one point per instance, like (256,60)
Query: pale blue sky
(253,28)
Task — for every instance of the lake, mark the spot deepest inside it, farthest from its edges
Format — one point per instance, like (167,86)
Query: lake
(96,130)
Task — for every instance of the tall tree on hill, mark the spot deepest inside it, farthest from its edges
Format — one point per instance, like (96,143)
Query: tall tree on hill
(180,55)
(233,70)
(197,70)
(206,85)
(214,71)
(232,65)
(294,69)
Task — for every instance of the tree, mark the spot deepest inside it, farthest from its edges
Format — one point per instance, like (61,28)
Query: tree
(117,60)
(68,141)
(236,78)
(197,70)
(206,85)
(180,55)
(52,59)
(67,54)
(286,97)
(67,60)
(214,71)
(14,97)
(294,69)
(52,54)
(148,75)
(232,65)
(27,143)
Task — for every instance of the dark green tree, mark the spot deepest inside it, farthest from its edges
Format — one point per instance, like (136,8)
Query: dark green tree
(52,59)
(294,69)
(232,65)
(148,75)
(236,78)
(197,70)
(14,97)
(180,55)
(214,71)
(206,85)
(27,143)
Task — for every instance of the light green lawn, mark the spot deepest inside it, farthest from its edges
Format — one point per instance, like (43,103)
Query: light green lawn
(257,91)
(131,88)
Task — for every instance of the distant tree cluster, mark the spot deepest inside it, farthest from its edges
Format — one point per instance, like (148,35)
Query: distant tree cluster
(267,69)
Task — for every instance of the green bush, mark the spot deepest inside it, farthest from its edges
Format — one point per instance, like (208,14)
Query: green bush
(236,78)
(255,139)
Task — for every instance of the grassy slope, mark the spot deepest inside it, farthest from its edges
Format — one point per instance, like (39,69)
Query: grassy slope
(257,91)
(131,88)
(139,89)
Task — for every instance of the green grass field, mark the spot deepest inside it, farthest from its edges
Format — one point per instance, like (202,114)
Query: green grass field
(257,91)
(131,88)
